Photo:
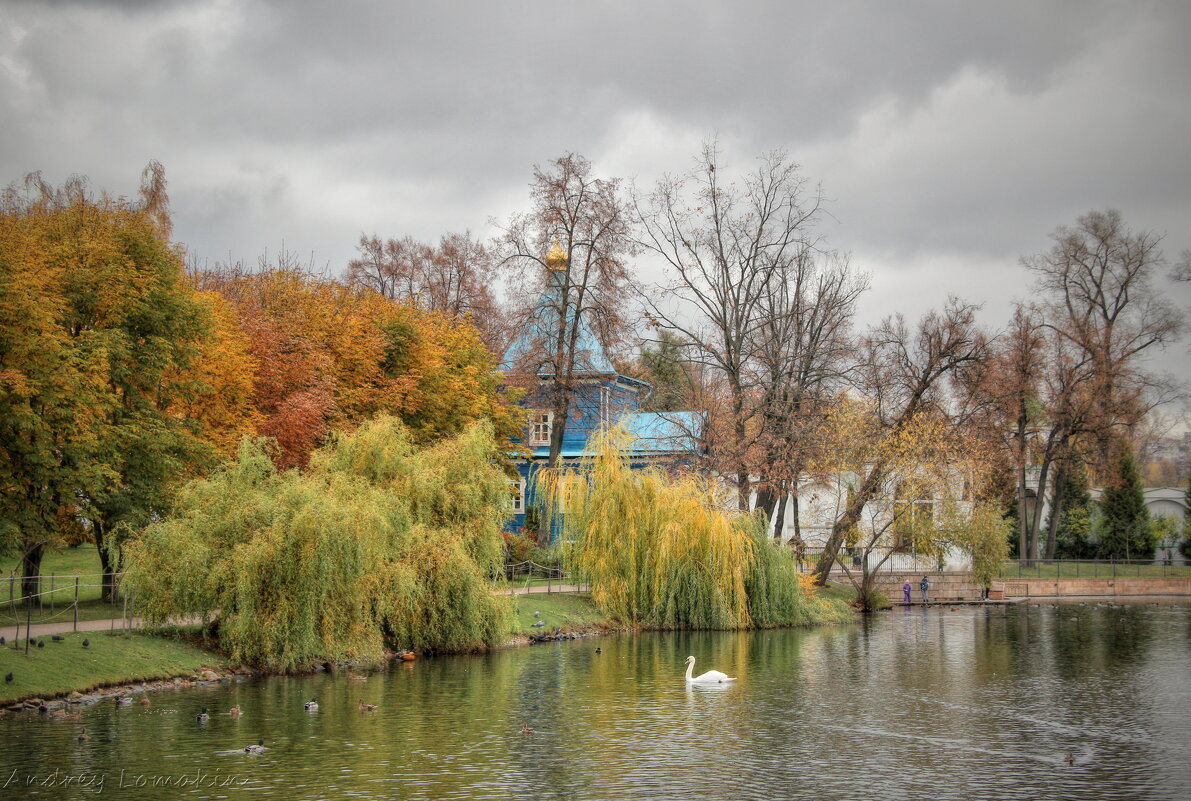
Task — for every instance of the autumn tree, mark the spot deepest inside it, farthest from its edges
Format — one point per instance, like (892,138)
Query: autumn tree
(927,498)
(732,251)
(569,254)
(903,376)
(1068,376)
(97,366)
(329,356)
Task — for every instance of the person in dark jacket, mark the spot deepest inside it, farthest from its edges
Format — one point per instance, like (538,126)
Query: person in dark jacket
(924,587)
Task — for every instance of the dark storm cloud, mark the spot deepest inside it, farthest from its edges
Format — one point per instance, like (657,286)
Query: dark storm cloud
(952,137)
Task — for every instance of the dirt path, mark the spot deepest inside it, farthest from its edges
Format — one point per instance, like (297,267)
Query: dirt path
(10,633)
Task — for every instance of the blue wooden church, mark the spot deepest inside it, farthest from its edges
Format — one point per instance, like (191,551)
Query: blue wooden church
(600,396)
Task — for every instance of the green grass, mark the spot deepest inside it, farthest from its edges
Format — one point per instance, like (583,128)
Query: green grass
(1092,570)
(840,592)
(64,666)
(566,611)
(82,562)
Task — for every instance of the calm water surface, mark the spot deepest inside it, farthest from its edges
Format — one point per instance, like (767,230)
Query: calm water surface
(916,704)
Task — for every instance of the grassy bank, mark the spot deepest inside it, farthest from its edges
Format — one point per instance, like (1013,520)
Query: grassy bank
(566,611)
(840,592)
(64,666)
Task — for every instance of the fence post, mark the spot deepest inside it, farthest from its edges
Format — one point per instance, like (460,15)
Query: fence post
(76,604)
(28,626)
(52,585)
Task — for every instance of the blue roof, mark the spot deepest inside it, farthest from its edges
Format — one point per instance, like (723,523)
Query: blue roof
(529,346)
(654,433)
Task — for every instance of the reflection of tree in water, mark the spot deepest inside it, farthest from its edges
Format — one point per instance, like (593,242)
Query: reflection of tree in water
(1126,632)
(1074,631)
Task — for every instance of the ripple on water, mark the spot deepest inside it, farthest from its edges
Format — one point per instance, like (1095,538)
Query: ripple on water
(972,704)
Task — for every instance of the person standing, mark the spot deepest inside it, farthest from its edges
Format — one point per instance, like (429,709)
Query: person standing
(924,586)
(906,592)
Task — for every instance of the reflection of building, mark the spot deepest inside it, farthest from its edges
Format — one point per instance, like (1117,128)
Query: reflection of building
(599,396)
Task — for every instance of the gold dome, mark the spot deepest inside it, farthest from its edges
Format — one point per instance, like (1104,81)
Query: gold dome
(556,258)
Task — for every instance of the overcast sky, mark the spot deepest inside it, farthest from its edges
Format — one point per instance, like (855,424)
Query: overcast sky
(951,137)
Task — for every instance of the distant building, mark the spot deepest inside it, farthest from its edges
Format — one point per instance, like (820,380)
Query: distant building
(600,396)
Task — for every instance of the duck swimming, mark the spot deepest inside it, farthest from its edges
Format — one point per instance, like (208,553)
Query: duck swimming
(256,749)
(311,705)
(203,717)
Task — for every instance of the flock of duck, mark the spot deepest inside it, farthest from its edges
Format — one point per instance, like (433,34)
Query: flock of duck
(205,715)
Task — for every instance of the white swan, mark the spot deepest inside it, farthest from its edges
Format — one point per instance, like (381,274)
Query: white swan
(710,677)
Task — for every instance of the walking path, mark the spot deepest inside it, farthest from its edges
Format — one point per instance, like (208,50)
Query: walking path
(11,633)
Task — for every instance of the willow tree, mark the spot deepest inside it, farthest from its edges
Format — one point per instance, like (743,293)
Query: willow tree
(662,551)
(377,537)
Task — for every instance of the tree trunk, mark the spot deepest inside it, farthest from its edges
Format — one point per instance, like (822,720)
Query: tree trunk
(864,592)
(779,518)
(1023,522)
(1036,521)
(107,591)
(850,518)
(794,509)
(31,572)
(766,498)
(743,482)
(1056,509)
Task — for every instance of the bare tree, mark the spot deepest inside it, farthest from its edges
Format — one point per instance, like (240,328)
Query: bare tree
(802,356)
(726,246)
(568,256)
(454,277)
(1100,298)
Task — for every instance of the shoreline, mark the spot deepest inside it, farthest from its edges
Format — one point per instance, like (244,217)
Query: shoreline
(89,695)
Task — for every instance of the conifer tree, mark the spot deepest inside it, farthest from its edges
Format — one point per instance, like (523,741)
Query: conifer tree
(1074,523)
(1185,545)
(1125,531)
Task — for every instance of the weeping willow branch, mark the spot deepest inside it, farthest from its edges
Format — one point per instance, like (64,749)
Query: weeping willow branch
(664,551)
(377,536)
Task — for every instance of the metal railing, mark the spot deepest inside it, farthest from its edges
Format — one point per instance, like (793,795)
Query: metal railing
(530,575)
(66,592)
(1092,568)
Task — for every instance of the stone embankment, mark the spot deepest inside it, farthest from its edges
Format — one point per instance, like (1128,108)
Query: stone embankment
(58,706)
(1095,587)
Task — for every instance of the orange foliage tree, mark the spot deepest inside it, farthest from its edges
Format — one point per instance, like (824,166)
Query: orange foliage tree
(329,355)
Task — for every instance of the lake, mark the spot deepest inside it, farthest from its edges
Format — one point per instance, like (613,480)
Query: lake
(938,703)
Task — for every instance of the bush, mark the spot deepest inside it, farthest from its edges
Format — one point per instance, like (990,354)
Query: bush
(519,547)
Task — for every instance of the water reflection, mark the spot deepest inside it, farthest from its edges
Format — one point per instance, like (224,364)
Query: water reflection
(918,703)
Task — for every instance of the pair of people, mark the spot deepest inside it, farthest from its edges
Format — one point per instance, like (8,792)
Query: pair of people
(923,586)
